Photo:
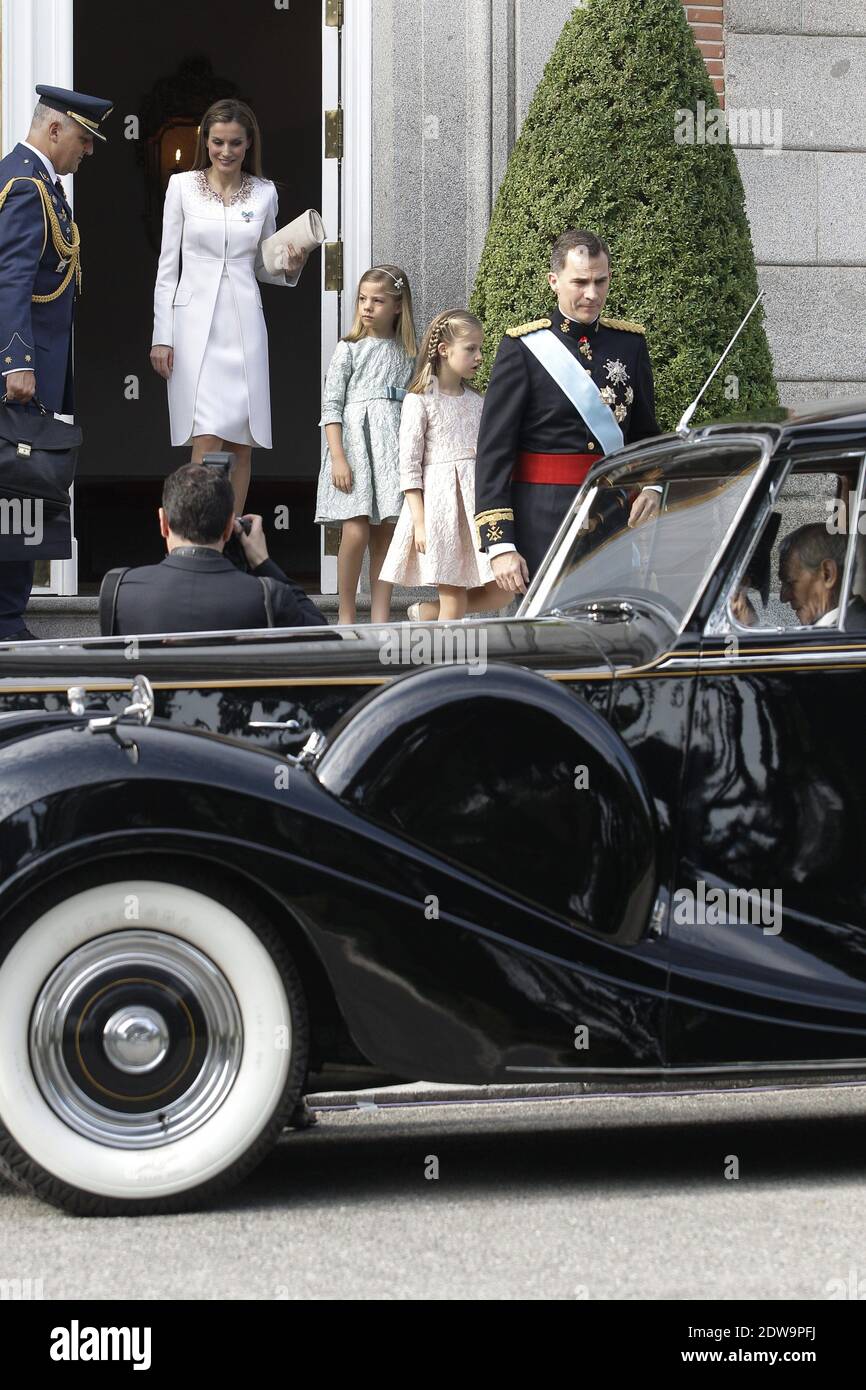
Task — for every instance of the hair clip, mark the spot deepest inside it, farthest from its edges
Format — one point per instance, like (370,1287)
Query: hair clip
(398,283)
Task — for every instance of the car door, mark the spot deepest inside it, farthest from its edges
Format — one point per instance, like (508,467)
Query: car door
(767,926)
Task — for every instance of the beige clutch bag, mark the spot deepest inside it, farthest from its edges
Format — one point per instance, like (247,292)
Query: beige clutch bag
(305,234)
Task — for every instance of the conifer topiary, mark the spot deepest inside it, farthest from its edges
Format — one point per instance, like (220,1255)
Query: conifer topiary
(600,148)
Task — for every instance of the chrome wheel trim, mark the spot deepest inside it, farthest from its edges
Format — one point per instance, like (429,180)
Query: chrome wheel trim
(136,1039)
(134,955)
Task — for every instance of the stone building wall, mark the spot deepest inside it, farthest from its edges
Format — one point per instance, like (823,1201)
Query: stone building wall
(806,60)
(452,83)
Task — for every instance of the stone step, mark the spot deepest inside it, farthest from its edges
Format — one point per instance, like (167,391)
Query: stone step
(79,617)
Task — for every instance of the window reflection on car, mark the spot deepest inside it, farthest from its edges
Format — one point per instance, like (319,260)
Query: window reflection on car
(667,559)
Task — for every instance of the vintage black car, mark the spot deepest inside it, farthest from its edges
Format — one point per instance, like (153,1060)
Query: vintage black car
(617,837)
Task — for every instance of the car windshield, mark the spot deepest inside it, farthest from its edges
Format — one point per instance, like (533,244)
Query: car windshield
(667,555)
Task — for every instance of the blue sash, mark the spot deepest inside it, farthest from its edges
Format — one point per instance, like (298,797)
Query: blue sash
(578,386)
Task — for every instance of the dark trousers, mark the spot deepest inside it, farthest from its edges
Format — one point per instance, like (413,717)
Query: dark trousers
(539,509)
(16,581)
(16,577)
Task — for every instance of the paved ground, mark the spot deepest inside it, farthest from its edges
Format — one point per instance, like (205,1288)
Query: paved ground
(557,1198)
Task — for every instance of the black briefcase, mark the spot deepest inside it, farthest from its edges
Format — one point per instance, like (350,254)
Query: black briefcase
(38,455)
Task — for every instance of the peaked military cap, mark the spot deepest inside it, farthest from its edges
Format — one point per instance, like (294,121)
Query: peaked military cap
(89,112)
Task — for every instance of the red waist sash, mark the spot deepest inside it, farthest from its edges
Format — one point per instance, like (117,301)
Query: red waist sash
(570,469)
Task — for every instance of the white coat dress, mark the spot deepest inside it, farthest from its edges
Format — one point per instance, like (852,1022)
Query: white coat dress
(208,308)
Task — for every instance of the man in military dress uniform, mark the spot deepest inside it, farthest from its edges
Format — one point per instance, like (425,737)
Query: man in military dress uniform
(563,392)
(39,280)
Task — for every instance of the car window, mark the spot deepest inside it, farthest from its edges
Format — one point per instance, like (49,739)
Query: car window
(794,577)
(667,558)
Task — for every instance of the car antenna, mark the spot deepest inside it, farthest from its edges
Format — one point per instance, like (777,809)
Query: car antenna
(683,426)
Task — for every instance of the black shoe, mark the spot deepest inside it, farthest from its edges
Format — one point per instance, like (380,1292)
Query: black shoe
(22,635)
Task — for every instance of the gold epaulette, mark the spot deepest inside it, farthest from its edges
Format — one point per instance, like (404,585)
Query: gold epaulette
(625,324)
(524,328)
(68,251)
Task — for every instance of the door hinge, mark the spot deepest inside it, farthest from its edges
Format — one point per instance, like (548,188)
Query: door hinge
(334,134)
(334,14)
(333,265)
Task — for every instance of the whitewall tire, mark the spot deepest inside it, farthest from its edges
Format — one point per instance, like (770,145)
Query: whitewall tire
(153,1042)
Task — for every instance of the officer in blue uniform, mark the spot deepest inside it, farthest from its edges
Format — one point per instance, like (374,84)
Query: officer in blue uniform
(40,276)
(564,391)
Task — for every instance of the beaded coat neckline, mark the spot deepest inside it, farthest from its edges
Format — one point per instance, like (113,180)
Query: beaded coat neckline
(207,191)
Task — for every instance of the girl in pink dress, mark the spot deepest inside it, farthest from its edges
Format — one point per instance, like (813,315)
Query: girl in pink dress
(434,541)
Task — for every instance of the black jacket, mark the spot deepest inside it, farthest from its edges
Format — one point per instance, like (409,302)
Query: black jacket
(525,409)
(205,592)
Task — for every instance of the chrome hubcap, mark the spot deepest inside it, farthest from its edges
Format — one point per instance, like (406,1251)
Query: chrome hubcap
(136,1039)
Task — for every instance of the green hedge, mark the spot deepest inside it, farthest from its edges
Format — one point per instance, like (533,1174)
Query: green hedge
(598,150)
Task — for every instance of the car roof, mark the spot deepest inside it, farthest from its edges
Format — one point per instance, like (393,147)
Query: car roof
(826,409)
(838,424)
(826,427)
(825,420)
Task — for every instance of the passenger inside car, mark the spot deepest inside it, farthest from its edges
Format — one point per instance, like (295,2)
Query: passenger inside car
(811,569)
(795,574)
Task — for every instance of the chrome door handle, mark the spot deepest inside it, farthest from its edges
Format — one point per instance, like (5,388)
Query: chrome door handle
(290,726)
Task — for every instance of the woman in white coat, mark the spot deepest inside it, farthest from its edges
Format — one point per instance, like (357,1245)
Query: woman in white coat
(209,337)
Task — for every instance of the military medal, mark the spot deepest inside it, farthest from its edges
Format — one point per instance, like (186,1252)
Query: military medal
(565,326)
(616,372)
(608,395)
(629,395)
(585,348)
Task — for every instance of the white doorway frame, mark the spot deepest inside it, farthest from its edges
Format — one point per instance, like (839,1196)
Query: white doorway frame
(347,184)
(36,39)
(37,46)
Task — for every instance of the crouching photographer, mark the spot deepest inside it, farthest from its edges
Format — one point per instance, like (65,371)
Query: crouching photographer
(196,588)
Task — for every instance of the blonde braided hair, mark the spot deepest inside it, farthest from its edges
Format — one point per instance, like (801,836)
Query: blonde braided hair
(437,329)
(444,328)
